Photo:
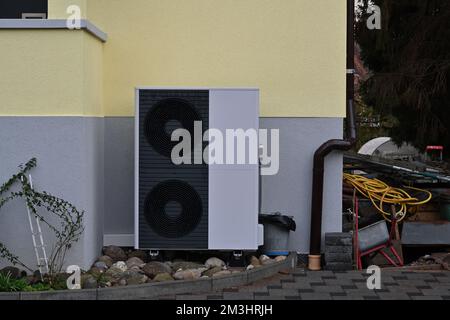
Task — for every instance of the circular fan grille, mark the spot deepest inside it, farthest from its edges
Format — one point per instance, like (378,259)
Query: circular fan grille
(161,119)
(173,209)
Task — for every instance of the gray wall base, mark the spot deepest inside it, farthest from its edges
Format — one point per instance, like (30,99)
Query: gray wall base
(69,151)
(288,192)
(89,162)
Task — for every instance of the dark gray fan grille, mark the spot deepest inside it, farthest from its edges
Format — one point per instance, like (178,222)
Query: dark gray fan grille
(162,183)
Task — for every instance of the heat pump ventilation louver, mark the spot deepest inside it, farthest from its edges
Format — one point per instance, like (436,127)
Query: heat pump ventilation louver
(194,205)
(173,199)
(166,116)
(173,209)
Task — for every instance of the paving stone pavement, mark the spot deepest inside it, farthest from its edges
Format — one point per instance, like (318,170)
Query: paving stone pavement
(328,285)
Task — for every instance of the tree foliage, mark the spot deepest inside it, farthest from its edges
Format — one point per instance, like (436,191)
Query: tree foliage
(409,60)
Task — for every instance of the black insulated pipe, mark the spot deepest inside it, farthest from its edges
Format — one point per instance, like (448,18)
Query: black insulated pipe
(332,145)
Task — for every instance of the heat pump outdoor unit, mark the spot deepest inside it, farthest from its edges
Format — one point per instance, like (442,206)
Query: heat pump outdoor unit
(201,205)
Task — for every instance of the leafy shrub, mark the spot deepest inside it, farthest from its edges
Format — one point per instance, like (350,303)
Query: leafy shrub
(8,284)
(70,219)
(38,287)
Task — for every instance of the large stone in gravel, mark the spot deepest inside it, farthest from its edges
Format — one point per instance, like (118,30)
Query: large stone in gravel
(190,274)
(280,258)
(214,262)
(14,272)
(107,260)
(120,265)
(88,281)
(135,268)
(134,262)
(212,271)
(265,260)
(115,253)
(134,278)
(100,265)
(163,277)
(153,268)
(138,254)
(186,265)
(254,261)
(114,273)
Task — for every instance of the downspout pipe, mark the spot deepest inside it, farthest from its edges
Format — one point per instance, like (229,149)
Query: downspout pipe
(314,258)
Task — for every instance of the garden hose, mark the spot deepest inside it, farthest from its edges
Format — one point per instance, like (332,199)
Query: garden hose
(380,194)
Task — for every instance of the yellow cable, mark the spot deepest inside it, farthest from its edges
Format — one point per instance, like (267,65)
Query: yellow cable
(379,193)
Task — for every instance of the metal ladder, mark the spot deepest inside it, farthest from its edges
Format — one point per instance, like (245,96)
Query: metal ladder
(41,261)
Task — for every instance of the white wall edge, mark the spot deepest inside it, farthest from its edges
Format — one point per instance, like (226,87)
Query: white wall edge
(52,24)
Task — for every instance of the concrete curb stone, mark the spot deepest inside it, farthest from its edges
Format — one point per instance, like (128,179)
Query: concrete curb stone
(153,290)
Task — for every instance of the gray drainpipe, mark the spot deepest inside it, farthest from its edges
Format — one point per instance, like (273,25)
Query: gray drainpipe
(332,145)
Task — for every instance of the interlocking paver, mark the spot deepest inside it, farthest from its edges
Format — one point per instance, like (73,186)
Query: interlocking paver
(296,285)
(427,298)
(393,296)
(191,297)
(371,298)
(283,292)
(405,289)
(368,293)
(293,298)
(348,297)
(269,298)
(261,294)
(315,296)
(436,292)
(238,296)
(339,282)
(328,289)
(349,287)
(444,280)
(327,285)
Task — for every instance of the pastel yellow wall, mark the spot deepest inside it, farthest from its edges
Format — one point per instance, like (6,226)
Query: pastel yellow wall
(50,72)
(57,9)
(293,50)
(93,75)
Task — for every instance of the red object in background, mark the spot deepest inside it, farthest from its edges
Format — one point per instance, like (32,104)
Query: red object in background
(435,148)
(379,249)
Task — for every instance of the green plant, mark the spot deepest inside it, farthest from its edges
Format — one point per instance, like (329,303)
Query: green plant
(58,281)
(8,284)
(70,219)
(38,287)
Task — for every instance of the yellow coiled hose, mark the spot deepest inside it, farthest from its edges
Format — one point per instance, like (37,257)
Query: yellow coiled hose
(380,193)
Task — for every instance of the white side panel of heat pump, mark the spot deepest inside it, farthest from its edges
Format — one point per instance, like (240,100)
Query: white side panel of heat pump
(233,189)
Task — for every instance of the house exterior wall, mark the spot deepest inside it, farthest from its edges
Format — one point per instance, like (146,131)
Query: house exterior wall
(57,9)
(63,85)
(50,72)
(288,192)
(69,151)
(51,108)
(293,50)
